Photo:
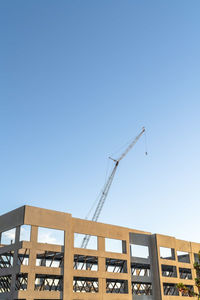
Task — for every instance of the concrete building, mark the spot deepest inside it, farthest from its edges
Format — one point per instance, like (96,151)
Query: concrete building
(41,258)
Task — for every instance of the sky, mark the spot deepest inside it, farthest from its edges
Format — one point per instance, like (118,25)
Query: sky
(78,80)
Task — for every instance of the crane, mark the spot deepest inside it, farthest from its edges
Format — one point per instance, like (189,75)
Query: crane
(107,186)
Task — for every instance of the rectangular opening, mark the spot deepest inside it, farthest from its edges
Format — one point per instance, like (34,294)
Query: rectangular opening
(50,236)
(197,258)
(170,289)
(23,257)
(169,271)
(85,285)
(85,241)
(21,282)
(5,284)
(142,288)
(139,251)
(167,253)
(116,265)
(114,245)
(8,237)
(183,257)
(185,273)
(140,270)
(45,282)
(49,259)
(188,292)
(25,233)
(6,260)
(83,262)
(116,286)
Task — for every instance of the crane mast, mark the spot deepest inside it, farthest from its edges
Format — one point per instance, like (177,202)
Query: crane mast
(107,186)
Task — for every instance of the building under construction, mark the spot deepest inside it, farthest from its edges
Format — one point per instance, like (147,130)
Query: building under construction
(41,258)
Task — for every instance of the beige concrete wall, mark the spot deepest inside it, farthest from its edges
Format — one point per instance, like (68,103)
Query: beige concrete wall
(177,245)
(37,217)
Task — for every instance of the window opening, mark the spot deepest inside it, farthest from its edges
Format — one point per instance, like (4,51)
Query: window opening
(183,257)
(116,286)
(79,237)
(167,253)
(83,262)
(139,251)
(23,257)
(141,288)
(170,289)
(116,265)
(185,273)
(85,285)
(50,259)
(169,271)
(114,245)
(140,269)
(196,258)
(21,282)
(25,233)
(50,236)
(6,260)
(45,282)
(5,284)
(8,237)
(186,292)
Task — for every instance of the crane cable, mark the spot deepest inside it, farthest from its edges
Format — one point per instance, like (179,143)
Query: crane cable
(104,192)
(145,141)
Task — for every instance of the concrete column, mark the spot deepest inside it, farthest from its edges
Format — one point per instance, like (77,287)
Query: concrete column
(68,262)
(15,261)
(32,259)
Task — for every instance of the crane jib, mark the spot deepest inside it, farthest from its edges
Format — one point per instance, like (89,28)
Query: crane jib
(107,186)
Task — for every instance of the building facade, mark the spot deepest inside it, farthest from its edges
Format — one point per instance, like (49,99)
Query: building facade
(41,258)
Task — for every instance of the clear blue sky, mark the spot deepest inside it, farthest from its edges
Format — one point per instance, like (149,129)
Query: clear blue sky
(78,79)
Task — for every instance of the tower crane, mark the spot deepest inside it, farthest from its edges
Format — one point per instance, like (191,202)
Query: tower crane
(107,186)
